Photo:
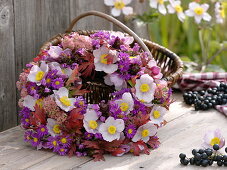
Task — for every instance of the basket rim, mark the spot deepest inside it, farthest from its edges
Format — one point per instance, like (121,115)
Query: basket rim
(171,79)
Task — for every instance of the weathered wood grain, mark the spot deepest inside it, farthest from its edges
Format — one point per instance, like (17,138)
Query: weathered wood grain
(8,116)
(90,23)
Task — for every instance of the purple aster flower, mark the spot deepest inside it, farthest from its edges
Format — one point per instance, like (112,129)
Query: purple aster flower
(47,90)
(118,94)
(139,108)
(53,143)
(81,146)
(25,112)
(32,88)
(124,62)
(96,43)
(123,48)
(35,141)
(28,135)
(88,136)
(130,131)
(81,103)
(136,47)
(42,131)
(114,109)
(101,35)
(79,154)
(62,151)
(84,153)
(65,141)
(57,83)
(102,118)
(51,74)
(25,122)
(98,136)
(29,65)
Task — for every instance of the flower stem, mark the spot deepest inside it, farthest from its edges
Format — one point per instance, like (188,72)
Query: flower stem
(204,55)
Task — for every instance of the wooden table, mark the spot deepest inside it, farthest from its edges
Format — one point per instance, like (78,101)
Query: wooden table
(184,131)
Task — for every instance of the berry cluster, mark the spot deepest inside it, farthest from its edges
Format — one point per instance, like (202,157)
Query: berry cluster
(205,157)
(204,100)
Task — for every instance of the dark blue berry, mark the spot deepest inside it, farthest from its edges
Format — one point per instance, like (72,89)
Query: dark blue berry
(218,157)
(192,161)
(201,151)
(198,156)
(216,147)
(208,152)
(219,163)
(226,149)
(204,156)
(224,158)
(194,151)
(204,163)
(211,162)
(182,156)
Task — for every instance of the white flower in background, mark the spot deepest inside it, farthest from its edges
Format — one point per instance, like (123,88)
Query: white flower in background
(158,4)
(145,88)
(90,121)
(119,5)
(62,99)
(175,7)
(105,59)
(156,115)
(219,13)
(112,129)
(53,128)
(144,132)
(37,73)
(29,102)
(126,104)
(54,51)
(61,71)
(198,11)
(116,80)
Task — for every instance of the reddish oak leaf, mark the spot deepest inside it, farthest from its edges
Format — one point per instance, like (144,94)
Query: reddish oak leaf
(98,157)
(38,116)
(111,146)
(118,152)
(91,144)
(72,150)
(87,67)
(73,77)
(153,142)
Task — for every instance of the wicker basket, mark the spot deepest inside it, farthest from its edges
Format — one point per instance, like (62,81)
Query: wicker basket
(170,63)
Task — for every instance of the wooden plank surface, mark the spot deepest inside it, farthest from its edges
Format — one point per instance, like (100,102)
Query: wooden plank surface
(8,117)
(184,131)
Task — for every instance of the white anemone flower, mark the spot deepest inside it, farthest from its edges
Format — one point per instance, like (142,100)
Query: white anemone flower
(198,11)
(54,51)
(62,99)
(145,88)
(175,7)
(53,127)
(37,73)
(119,5)
(219,12)
(29,102)
(111,129)
(126,104)
(91,124)
(105,59)
(156,115)
(158,4)
(61,71)
(125,38)
(116,80)
(144,132)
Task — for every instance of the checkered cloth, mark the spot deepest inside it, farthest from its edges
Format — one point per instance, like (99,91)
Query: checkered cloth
(202,81)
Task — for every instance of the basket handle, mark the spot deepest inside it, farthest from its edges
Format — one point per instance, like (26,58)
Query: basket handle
(114,21)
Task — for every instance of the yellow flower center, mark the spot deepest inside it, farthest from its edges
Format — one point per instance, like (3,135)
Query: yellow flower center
(56,129)
(103,59)
(161,1)
(145,133)
(119,4)
(65,100)
(63,71)
(215,140)
(93,124)
(63,140)
(28,138)
(178,8)
(42,129)
(124,106)
(54,142)
(156,114)
(26,120)
(130,131)
(39,102)
(222,13)
(48,80)
(57,82)
(62,150)
(199,10)
(112,129)
(81,103)
(35,139)
(144,88)
(39,76)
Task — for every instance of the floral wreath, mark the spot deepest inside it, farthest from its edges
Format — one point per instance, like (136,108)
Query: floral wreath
(56,114)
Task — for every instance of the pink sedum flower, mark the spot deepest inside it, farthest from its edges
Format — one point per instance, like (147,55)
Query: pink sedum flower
(213,137)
